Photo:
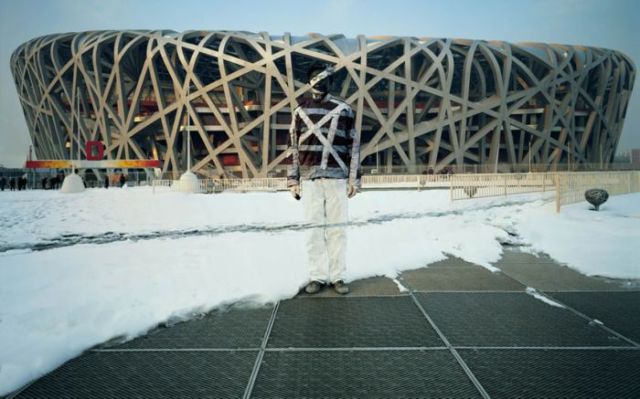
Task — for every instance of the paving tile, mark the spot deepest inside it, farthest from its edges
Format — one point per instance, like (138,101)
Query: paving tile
(517,256)
(362,374)
(351,322)
(572,374)
(510,319)
(460,278)
(546,276)
(147,375)
(234,327)
(450,261)
(619,311)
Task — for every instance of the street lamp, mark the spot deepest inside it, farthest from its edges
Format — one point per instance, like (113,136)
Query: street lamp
(73,182)
(188,182)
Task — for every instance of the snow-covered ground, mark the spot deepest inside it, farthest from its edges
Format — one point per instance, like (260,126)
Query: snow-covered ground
(79,269)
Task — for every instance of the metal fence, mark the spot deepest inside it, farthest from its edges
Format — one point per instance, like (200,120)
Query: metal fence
(208,186)
(497,168)
(369,182)
(492,185)
(570,187)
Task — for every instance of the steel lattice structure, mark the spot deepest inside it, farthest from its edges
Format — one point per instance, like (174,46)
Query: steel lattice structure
(419,102)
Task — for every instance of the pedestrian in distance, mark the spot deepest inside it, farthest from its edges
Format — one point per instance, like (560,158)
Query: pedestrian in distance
(106,181)
(123,180)
(44,183)
(324,151)
(53,182)
(12,184)
(3,183)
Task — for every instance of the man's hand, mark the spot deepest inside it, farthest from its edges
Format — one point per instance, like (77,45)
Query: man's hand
(351,191)
(295,191)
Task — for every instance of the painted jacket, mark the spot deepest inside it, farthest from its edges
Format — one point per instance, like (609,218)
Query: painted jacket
(323,142)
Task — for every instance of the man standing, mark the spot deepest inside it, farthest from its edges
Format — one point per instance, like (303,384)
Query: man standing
(325,152)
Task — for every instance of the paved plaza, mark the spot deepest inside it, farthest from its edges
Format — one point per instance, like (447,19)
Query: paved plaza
(459,331)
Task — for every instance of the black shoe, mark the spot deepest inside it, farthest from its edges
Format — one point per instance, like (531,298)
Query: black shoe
(340,287)
(313,287)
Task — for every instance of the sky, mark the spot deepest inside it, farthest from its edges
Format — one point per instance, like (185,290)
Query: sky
(611,24)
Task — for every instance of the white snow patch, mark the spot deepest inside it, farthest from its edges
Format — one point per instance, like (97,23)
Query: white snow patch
(533,292)
(603,243)
(401,287)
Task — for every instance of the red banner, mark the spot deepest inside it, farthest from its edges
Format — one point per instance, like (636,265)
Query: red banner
(105,164)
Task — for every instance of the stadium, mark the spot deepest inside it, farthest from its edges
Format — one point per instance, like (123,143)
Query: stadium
(423,105)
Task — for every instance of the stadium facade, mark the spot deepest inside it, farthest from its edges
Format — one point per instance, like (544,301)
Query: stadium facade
(420,103)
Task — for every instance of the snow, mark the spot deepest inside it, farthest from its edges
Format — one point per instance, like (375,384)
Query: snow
(533,292)
(158,257)
(603,243)
(401,287)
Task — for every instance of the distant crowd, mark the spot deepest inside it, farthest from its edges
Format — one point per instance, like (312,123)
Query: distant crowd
(48,183)
(19,183)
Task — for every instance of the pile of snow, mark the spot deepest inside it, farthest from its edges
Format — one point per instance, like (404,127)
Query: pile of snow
(72,184)
(58,302)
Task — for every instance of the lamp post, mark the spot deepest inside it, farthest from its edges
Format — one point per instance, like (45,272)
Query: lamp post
(73,183)
(188,182)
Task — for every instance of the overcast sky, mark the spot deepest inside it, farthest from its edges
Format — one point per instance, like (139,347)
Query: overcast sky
(612,24)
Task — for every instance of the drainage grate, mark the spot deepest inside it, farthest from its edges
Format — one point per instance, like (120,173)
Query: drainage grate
(555,277)
(351,322)
(510,319)
(619,311)
(147,375)
(230,328)
(461,278)
(362,374)
(556,373)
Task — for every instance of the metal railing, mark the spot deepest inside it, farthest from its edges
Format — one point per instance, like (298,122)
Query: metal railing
(404,181)
(570,187)
(209,186)
(497,168)
(280,184)
(498,184)
(258,184)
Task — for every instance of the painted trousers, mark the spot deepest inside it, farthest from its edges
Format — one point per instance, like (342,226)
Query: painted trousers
(325,205)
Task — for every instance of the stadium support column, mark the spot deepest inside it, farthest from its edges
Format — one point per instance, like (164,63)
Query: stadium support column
(410,111)
(494,153)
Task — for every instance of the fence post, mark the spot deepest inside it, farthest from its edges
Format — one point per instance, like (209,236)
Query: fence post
(557,181)
(450,189)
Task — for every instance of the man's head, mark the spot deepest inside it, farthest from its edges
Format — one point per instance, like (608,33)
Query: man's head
(319,77)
